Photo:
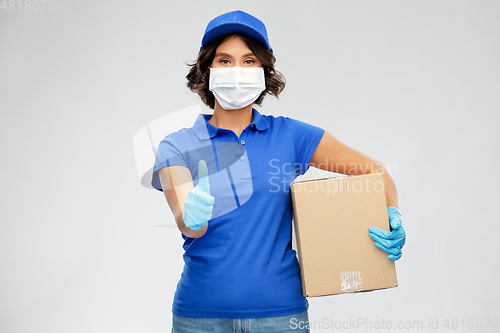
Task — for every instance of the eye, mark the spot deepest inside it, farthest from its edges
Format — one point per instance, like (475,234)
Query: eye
(250,61)
(224,61)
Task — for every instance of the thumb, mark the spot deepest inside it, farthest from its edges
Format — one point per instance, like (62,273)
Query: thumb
(394,217)
(203,183)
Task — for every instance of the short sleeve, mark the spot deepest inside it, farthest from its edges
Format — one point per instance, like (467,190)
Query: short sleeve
(306,138)
(167,154)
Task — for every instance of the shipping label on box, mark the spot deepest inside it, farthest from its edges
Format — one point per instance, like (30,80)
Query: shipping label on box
(331,221)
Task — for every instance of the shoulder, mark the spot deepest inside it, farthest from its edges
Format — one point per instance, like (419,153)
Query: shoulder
(277,121)
(180,138)
(281,119)
(293,124)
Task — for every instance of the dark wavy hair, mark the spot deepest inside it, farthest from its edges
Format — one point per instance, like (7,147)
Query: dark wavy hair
(198,76)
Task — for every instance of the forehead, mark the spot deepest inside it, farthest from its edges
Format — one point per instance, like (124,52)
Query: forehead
(233,45)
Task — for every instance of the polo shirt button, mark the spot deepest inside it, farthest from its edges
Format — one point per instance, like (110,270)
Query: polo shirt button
(242,158)
(242,142)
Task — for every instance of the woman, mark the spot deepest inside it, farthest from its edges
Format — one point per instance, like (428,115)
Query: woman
(240,269)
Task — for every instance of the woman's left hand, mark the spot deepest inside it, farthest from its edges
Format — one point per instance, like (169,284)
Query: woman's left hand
(391,242)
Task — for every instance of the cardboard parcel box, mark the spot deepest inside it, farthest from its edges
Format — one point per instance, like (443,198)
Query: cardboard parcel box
(331,221)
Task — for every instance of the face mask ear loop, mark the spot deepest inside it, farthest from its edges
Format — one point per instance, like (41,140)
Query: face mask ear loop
(210,78)
(263,78)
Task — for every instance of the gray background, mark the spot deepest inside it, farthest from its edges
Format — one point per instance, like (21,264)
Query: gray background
(85,248)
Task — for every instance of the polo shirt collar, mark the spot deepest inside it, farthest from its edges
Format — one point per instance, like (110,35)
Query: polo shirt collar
(204,130)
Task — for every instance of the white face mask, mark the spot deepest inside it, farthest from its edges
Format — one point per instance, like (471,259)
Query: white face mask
(236,87)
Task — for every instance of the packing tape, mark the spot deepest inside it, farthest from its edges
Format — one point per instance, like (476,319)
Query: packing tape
(351,281)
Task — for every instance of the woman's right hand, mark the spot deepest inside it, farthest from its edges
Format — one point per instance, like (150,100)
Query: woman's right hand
(199,204)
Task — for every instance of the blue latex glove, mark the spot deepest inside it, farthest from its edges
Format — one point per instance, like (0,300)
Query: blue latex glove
(391,242)
(199,204)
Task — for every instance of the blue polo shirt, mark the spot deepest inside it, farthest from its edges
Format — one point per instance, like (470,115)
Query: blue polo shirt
(244,266)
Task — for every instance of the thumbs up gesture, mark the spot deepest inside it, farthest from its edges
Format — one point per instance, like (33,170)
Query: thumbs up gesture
(199,203)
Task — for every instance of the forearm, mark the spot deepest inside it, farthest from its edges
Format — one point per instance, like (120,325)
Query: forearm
(390,191)
(390,187)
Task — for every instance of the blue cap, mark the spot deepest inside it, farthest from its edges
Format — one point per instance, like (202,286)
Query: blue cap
(237,21)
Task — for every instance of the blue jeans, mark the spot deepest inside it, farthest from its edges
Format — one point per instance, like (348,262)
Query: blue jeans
(281,324)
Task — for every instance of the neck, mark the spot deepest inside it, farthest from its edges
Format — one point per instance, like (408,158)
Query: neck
(235,120)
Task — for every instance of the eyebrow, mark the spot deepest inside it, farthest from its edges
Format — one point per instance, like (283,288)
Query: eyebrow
(222,54)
